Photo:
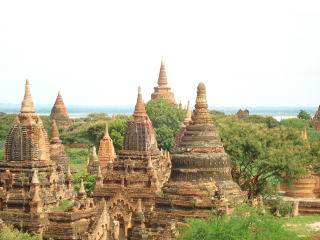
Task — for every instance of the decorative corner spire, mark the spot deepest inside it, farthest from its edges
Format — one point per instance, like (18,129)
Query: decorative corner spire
(201,113)
(99,174)
(139,206)
(82,191)
(94,151)
(54,132)
(27,105)
(139,110)
(35,179)
(69,175)
(36,196)
(162,80)
(187,118)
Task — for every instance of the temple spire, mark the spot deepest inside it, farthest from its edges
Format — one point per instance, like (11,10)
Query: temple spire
(162,80)
(106,134)
(201,113)
(82,192)
(187,118)
(139,110)
(54,132)
(35,179)
(27,103)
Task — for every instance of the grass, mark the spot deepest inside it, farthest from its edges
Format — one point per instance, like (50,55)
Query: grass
(300,224)
(78,158)
(63,205)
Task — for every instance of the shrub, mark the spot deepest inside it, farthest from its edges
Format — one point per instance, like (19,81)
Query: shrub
(243,224)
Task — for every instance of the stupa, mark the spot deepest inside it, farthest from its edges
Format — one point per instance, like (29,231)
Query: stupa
(59,113)
(200,180)
(163,91)
(29,180)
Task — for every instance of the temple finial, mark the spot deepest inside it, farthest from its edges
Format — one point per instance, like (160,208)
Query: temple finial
(201,113)
(188,113)
(27,103)
(162,80)
(139,110)
(106,134)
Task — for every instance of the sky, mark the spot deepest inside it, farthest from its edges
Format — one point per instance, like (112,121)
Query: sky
(248,53)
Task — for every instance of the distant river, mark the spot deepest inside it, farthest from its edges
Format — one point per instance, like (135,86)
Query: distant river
(278,113)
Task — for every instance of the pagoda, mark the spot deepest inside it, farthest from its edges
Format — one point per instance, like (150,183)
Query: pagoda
(106,153)
(200,180)
(131,181)
(242,113)
(316,120)
(59,113)
(30,182)
(163,91)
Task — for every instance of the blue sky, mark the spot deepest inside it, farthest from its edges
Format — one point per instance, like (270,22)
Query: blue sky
(248,53)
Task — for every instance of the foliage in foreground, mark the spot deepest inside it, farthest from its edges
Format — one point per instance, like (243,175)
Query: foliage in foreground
(9,233)
(243,224)
(166,120)
(261,155)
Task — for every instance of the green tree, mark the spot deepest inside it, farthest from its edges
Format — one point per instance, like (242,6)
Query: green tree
(244,223)
(260,154)
(89,181)
(117,130)
(304,115)
(166,120)
(296,123)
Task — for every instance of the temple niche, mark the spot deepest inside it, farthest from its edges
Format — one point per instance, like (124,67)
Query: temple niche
(316,120)
(59,113)
(162,91)
(131,180)
(200,179)
(242,113)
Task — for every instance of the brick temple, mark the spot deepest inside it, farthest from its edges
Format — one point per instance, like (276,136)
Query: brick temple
(140,193)
(35,176)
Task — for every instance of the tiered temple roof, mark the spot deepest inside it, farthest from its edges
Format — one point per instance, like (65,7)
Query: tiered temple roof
(59,113)
(163,91)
